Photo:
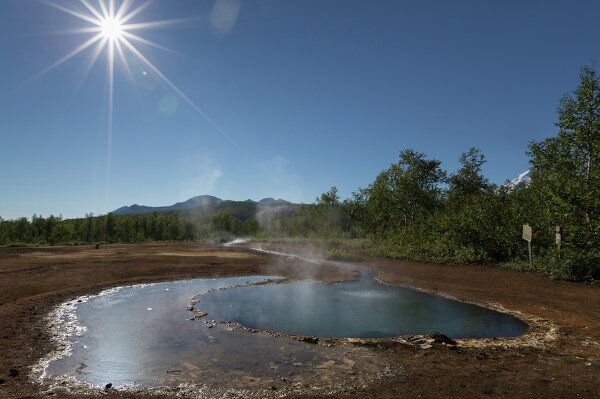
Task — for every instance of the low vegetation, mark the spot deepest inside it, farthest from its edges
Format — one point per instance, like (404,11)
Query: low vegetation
(415,209)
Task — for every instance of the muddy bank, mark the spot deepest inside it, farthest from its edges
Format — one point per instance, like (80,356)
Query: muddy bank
(33,281)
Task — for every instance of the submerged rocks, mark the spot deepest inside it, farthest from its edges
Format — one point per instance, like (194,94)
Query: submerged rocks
(210,323)
(199,315)
(173,371)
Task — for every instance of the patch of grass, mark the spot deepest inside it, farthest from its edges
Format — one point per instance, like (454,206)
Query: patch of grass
(341,256)
(20,244)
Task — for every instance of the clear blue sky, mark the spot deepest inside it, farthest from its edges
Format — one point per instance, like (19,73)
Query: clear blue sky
(311,93)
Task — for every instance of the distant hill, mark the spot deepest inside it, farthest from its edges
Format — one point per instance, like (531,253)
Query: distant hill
(273,201)
(206,206)
(195,202)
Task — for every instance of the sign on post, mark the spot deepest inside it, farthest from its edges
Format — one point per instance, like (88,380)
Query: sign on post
(527,235)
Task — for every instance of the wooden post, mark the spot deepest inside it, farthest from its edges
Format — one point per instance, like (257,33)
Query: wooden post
(558,238)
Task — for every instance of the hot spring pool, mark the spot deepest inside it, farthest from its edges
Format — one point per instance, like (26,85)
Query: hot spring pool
(359,309)
(143,336)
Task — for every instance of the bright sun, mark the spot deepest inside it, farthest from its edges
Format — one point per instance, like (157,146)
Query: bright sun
(109,22)
(112,28)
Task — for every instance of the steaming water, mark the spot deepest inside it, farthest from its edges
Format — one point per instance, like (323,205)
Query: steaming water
(362,309)
(143,336)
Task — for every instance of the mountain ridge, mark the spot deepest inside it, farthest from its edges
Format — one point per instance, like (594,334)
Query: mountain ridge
(523,178)
(208,203)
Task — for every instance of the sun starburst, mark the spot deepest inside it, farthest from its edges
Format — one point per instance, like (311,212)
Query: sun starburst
(111,24)
(112,28)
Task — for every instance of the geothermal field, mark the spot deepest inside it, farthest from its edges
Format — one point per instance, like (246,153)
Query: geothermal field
(265,199)
(277,319)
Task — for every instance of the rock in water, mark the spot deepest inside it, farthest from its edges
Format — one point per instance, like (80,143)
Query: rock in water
(442,339)
(310,340)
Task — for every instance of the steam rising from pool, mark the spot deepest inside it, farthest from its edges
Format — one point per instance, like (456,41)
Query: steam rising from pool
(356,309)
(142,336)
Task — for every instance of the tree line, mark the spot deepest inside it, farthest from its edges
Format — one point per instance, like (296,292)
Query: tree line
(415,209)
(94,229)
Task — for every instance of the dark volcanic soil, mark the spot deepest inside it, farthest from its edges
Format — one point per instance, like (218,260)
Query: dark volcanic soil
(566,365)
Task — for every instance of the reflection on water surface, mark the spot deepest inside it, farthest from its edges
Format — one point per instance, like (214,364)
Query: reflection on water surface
(360,309)
(143,336)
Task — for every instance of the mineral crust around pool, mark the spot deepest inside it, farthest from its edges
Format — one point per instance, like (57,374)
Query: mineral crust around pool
(145,336)
(142,337)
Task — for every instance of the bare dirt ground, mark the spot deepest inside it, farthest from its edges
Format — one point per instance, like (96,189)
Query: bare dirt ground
(567,365)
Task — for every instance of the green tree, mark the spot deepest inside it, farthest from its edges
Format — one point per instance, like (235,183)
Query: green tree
(110,227)
(22,230)
(38,228)
(89,227)
(469,179)
(406,193)
(354,209)
(329,198)
(566,177)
